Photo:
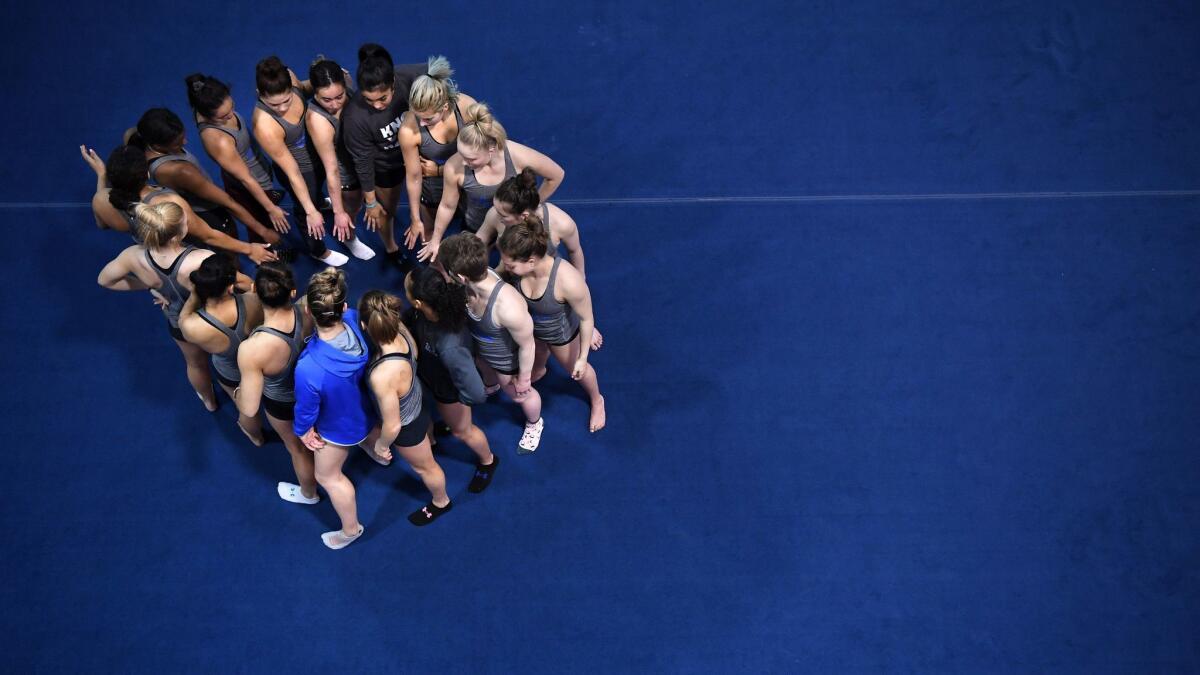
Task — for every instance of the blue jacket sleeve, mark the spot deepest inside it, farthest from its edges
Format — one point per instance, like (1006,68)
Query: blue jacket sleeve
(308,401)
(460,362)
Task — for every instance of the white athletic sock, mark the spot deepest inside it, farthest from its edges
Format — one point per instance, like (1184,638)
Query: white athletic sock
(290,492)
(360,250)
(334,258)
(336,539)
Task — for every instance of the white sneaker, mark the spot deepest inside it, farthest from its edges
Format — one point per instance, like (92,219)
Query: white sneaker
(290,492)
(334,258)
(531,438)
(360,250)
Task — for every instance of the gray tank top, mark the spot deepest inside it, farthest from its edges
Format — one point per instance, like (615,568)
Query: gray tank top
(197,203)
(132,220)
(282,385)
(246,148)
(479,197)
(410,403)
(554,322)
(169,286)
(431,149)
(344,161)
(294,136)
(226,362)
(496,346)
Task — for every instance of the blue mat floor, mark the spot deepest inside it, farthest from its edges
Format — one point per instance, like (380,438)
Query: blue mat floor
(936,436)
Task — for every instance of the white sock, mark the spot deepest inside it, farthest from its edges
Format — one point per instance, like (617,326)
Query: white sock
(290,492)
(334,258)
(360,250)
(336,539)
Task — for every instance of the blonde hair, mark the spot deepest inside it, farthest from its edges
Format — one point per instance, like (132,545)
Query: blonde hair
(433,89)
(158,224)
(327,296)
(480,129)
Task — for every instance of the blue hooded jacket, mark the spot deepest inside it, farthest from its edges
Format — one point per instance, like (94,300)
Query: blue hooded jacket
(329,389)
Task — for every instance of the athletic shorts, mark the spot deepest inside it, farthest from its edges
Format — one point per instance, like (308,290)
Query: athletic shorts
(175,332)
(219,220)
(412,433)
(232,384)
(280,410)
(389,178)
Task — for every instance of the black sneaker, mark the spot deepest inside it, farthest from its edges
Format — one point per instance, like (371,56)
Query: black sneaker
(428,513)
(483,475)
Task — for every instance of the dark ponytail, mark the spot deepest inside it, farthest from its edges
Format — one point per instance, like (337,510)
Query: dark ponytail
(205,94)
(521,191)
(126,169)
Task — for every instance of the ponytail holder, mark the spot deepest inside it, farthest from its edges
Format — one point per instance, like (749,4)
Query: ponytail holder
(197,85)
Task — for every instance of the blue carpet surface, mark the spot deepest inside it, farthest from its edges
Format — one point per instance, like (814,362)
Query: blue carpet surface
(928,435)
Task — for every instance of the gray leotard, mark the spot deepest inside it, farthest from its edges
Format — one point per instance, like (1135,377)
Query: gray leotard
(479,197)
(495,344)
(226,362)
(554,322)
(282,385)
(344,161)
(410,403)
(294,136)
(169,286)
(247,148)
(127,214)
(197,203)
(431,186)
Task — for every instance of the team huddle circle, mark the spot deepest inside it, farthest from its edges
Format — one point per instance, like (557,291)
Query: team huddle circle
(493,273)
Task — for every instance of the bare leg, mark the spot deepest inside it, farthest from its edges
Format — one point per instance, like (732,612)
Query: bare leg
(302,457)
(566,356)
(458,418)
(388,198)
(329,461)
(197,373)
(352,202)
(420,458)
(541,355)
(251,426)
(490,377)
(427,220)
(531,404)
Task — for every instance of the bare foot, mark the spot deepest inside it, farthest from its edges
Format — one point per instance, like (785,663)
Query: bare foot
(597,340)
(597,422)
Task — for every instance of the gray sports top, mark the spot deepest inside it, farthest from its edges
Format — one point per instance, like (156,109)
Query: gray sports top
(127,214)
(169,286)
(282,385)
(410,403)
(344,161)
(431,186)
(246,148)
(554,322)
(294,136)
(479,197)
(197,203)
(226,362)
(495,345)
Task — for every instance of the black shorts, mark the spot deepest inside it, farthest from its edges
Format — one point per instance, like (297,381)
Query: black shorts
(175,332)
(219,220)
(280,410)
(412,433)
(232,384)
(389,178)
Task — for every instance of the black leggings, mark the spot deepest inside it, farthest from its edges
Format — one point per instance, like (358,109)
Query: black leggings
(242,196)
(316,247)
